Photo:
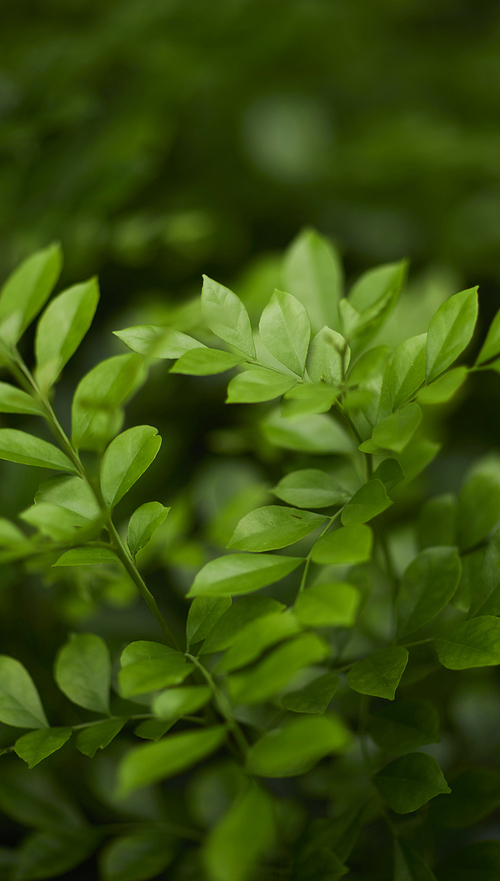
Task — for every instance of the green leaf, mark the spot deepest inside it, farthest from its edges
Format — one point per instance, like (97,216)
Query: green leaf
(37,745)
(474,643)
(285,331)
(312,272)
(371,363)
(347,545)
(20,703)
(125,461)
(257,384)
(157,342)
(328,605)
(153,729)
(491,346)
(99,395)
(71,493)
(409,782)
(369,501)
(427,586)
(371,301)
(245,833)
(479,502)
(148,666)
(176,702)
(437,521)
(241,573)
(375,284)
(310,488)
(486,589)
(450,331)
(152,762)
(297,746)
(25,449)
(226,316)
(83,671)
(34,798)
(404,725)
(315,434)
(272,527)
(443,388)
(475,795)
(328,357)
(379,673)
(269,676)
(241,613)
(395,432)
(26,290)
(255,637)
(205,362)
(53,853)
(98,736)
(308,398)
(416,457)
(88,556)
(204,612)
(58,523)
(13,400)
(10,534)
(61,329)
(143,523)
(407,370)
(136,856)
(408,864)
(479,861)
(312,698)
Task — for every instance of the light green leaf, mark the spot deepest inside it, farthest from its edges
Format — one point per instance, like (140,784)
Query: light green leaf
(20,703)
(450,331)
(257,384)
(230,624)
(407,370)
(71,493)
(371,301)
(427,586)
(404,725)
(13,400)
(369,364)
(226,316)
(157,342)
(308,398)
(409,782)
(255,637)
(25,449)
(37,745)
(245,833)
(176,702)
(395,432)
(26,290)
(348,545)
(59,523)
(328,357)
(443,388)
(98,736)
(408,864)
(480,861)
(491,346)
(136,856)
(152,762)
(285,331)
(369,501)
(416,457)
(61,329)
(479,501)
(204,612)
(297,746)
(272,674)
(10,534)
(148,666)
(315,434)
(83,671)
(312,272)
(272,527)
(143,523)
(205,362)
(88,556)
(474,643)
(375,284)
(328,605)
(125,461)
(379,673)
(241,573)
(310,488)
(312,698)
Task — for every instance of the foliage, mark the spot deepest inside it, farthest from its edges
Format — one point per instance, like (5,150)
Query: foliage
(300,714)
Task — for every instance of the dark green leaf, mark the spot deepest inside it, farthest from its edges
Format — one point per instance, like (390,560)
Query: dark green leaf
(241,613)
(226,316)
(409,782)
(125,461)
(13,400)
(312,698)
(241,573)
(310,488)
(316,434)
(88,556)
(25,449)
(37,745)
(491,346)
(143,523)
(328,605)
(176,702)
(474,643)
(272,527)
(475,794)
(26,290)
(404,725)
(204,612)
(347,545)
(390,473)
(83,671)
(157,342)
(312,272)
(34,798)
(443,388)
(152,762)
(98,736)
(395,432)
(136,856)
(297,746)
(245,833)
(479,501)
(328,357)
(20,703)
(428,585)
(485,596)
(437,521)
(479,861)
(205,362)
(379,674)
(153,729)
(370,500)
(255,637)
(409,865)
(257,384)
(50,854)
(285,331)
(450,331)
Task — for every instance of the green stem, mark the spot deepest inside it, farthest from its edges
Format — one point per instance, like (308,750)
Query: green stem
(222,704)
(308,558)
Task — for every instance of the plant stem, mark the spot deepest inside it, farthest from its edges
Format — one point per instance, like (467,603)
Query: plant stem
(308,558)
(223,705)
